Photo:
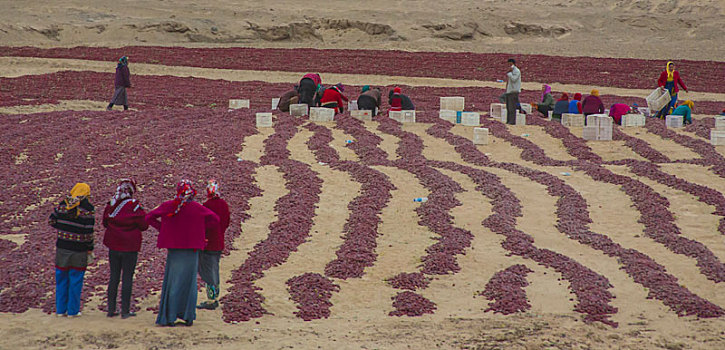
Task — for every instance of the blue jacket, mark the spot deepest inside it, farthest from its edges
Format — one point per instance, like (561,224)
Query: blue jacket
(574,106)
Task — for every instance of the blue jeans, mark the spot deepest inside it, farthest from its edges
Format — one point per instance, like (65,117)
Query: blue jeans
(670,86)
(68,286)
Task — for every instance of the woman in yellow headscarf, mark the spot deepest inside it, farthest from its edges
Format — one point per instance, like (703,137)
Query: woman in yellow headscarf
(73,219)
(670,79)
(685,110)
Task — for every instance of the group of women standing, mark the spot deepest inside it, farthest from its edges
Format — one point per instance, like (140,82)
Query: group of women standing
(669,80)
(192,233)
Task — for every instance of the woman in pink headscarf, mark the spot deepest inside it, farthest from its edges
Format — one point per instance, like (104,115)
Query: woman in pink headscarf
(547,101)
(183,225)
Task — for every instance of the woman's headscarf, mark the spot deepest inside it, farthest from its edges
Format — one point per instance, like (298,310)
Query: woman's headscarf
(365,88)
(578,96)
(690,104)
(78,193)
(212,189)
(595,92)
(547,90)
(564,97)
(185,193)
(340,87)
(126,188)
(123,61)
(397,90)
(670,73)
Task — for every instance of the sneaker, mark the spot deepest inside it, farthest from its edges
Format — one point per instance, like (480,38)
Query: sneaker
(60,315)
(112,314)
(188,323)
(76,315)
(130,314)
(207,305)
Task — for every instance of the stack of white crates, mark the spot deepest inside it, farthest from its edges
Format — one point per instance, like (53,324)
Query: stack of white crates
(264,120)
(237,104)
(629,120)
(362,114)
(717,135)
(599,128)
(322,114)
(674,121)
(480,136)
(298,110)
(572,120)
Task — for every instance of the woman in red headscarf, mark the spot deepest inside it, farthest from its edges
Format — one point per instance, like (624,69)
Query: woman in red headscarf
(210,256)
(561,107)
(396,101)
(183,225)
(124,220)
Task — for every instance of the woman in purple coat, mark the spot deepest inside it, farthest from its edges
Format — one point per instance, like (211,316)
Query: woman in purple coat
(183,225)
(122,81)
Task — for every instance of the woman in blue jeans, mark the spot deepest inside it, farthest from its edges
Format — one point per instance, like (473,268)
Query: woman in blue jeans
(73,219)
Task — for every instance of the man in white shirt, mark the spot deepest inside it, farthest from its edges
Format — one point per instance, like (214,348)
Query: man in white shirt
(513,88)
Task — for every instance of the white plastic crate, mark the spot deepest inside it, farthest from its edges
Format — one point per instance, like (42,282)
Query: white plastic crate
(630,120)
(364,114)
(470,119)
(275,103)
(717,137)
(237,104)
(551,115)
(322,114)
(298,110)
(498,111)
(720,123)
(592,119)
(526,107)
(447,113)
(352,105)
(408,116)
(658,99)
(480,136)
(264,120)
(673,121)
(590,133)
(520,119)
(572,120)
(454,103)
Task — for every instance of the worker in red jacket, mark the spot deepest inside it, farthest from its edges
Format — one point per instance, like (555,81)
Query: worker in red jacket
(210,256)
(124,220)
(670,79)
(333,98)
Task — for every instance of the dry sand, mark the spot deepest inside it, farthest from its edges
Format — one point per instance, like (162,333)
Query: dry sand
(626,28)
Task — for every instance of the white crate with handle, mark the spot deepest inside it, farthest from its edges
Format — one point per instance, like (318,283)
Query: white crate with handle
(498,111)
(275,103)
(455,103)
(720,123)
(658,99)
(362,114)
(237,104)
(526,107)
(674,121)
(717,137)
(470,119)
(480,136)
(298,109)
(322,114)
(572,120)
(264,120)
(520,119)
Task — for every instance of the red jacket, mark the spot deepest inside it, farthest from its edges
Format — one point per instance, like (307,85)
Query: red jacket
(332,95)
(185,230)
(676,76)
(124,224)
(592,105)
(215,240)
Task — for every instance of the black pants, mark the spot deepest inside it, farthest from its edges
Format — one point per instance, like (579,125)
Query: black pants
(544,109)
(126,262)
(512,102)
(307,91)
(365,102)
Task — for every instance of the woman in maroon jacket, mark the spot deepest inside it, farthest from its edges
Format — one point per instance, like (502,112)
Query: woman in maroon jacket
(669,80)
(183,226)
(121,83)
(124,220)
(210,256)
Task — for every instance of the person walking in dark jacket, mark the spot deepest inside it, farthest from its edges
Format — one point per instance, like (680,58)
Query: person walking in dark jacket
(73,219)
(210,256)
(122,82)
(124,220)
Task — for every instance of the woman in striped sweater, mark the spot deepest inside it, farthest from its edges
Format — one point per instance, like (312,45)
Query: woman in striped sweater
(73,219)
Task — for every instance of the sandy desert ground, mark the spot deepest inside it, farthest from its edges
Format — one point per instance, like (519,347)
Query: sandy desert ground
(540,166)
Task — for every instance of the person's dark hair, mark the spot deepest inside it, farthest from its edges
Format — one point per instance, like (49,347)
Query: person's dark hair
(511,60)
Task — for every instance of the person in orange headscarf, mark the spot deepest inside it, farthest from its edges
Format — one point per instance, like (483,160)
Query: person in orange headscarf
(73,219)
(592,104)
(670,79)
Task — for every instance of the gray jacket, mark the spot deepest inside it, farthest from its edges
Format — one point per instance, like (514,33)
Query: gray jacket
(514,80)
